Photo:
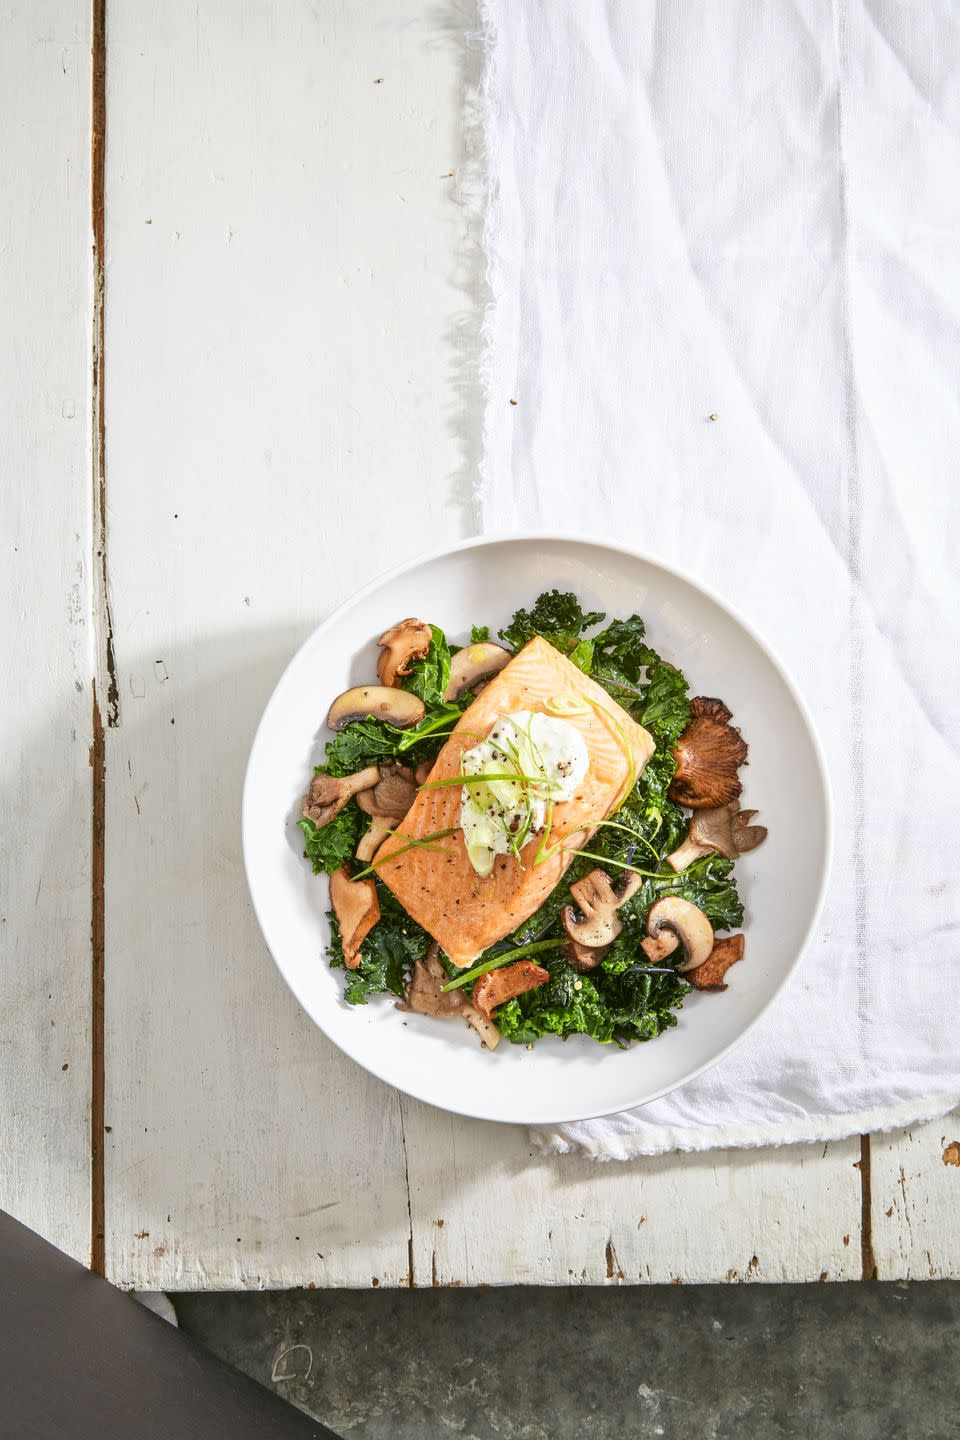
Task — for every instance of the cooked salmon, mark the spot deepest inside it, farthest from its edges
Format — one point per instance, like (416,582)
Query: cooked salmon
(439,887)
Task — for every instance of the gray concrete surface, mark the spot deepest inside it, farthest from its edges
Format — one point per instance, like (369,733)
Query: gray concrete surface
(755,1362)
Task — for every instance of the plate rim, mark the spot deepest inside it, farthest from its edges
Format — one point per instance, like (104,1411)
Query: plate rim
(647,557)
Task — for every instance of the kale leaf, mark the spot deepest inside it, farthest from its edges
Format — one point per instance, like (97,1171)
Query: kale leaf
(328,846)
(388,951)
(480,634)
(430,676)
(559,618)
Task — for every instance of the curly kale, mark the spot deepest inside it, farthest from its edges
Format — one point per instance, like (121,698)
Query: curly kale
(624,999)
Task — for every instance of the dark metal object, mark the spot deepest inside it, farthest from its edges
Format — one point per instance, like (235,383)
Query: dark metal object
(80,1360)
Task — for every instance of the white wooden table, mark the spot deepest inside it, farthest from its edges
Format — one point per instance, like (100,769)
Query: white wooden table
(288,363)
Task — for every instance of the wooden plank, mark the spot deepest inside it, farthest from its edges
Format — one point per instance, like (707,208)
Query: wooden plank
(487,1209)
(284,320)
(45,722)
(292,320)
(916,1202)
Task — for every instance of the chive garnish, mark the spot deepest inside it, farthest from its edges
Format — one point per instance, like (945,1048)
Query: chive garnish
(498,960)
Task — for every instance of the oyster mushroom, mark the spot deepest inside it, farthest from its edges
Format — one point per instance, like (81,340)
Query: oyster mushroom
(402,644)
(498,986)
(726,952)
(589,939)
(357,909)
(386,802)
(672,921)
(397,707)
(473,666)
(424,995)
(424,772)
(328,794)
(726,831)
(709,754)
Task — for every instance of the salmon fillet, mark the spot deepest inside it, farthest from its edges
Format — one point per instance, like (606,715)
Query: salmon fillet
(439,887)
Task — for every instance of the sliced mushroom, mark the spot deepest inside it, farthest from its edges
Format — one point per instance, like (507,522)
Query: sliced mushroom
(589,939)
(424,994)
(357,909)
(329,793)
(683,923)
(709,754)
(726,952)
(726,832)
(498,986)
(473,666)
(396,707)
(402,644)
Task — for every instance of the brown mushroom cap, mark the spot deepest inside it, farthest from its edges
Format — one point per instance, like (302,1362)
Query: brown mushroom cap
(328,794)
(687,923)
(357,909)
(473,665)
(709,754)
(392,795)
(424,993)
(498,986)
(726,952)
(598,902)
(397,707)
(402,644)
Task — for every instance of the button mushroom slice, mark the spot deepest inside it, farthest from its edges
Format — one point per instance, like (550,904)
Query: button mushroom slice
(709,754)
(683,923)
(726,952)
(498,986)
(329,793)
(357,909)
(424,995)
(473,666)
(724,831)
(396,707)
(402,644)
(598,902)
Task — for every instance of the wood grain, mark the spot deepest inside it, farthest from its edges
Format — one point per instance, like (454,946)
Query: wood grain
(284,328)
(45,721)
(916,1201)
(294,301)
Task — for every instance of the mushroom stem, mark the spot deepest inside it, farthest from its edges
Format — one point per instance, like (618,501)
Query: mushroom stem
(329,793)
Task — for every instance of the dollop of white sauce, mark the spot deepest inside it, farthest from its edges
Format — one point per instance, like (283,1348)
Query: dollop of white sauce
(548,756)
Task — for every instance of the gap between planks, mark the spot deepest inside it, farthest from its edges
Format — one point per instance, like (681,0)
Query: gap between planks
(103,640)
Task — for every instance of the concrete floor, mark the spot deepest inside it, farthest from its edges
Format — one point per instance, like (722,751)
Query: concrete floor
(753,1362)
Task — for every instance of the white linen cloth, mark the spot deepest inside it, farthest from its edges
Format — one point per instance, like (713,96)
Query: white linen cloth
(724,254)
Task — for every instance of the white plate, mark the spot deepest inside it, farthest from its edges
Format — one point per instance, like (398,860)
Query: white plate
(782,883)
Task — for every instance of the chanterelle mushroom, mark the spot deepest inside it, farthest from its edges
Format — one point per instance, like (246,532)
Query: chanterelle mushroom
(726,952)
(672,921)
(726,831)
(589,939)
(387,802)
(329,793)
(473,666)
(357,909)
(402,644)
(709,754)
(424,994)
(498,986)
(397,707)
